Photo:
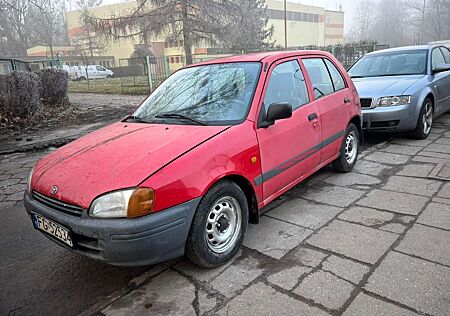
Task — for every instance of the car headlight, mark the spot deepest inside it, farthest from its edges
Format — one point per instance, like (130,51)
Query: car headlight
(30,176)
(395,100)
(126,203)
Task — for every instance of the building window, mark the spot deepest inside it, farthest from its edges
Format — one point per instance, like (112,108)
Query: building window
(293,16)
(177,59)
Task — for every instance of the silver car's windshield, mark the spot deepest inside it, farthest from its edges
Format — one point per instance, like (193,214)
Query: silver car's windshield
(212,94)
(413,62)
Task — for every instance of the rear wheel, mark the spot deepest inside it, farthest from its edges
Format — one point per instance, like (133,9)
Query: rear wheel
(349,150)
(218,226)
(425,121)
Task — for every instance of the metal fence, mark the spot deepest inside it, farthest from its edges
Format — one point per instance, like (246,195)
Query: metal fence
(140,75)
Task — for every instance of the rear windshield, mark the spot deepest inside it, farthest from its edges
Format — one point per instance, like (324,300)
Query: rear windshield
(413,62)
(213,94)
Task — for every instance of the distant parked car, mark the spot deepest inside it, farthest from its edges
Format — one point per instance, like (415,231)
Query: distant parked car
(198,160)
(403,89)
(90,72)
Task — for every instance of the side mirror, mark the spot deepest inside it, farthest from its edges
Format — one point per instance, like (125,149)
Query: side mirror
(277,111)
(441,68)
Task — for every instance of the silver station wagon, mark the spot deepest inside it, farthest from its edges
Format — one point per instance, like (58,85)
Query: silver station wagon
(403,89)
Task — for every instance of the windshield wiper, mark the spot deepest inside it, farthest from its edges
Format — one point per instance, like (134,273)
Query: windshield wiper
(181,116)
(357,77)
(137,119)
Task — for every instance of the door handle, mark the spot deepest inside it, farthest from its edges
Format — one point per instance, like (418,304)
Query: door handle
(347,100)
(312,116)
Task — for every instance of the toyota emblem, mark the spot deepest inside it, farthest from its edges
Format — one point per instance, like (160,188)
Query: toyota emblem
(54,189)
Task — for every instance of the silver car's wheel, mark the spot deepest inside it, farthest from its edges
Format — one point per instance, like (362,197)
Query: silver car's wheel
(223,224)
(351,147)
(427,118)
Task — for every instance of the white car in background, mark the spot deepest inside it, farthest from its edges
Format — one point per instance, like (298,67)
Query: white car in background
(90,72)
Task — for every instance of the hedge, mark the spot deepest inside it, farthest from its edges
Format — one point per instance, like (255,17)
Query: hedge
(24,94)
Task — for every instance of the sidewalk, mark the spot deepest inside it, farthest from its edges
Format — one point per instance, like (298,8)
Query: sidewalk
(371,242)
(93,111)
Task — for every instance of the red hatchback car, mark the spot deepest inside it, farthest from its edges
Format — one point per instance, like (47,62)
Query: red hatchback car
(198,159)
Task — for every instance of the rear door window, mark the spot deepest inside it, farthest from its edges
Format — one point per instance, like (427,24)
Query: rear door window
(286,85)
(338,81)
(437,58)
(446,53)
(320,78)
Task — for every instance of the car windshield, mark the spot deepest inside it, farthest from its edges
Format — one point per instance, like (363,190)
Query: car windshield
(412,62)
(217,94)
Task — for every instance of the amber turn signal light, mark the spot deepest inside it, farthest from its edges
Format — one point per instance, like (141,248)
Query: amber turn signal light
(141,202)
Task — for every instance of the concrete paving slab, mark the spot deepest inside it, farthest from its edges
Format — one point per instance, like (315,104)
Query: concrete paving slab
(412,142)
(442,141)
(428,243)
(326,289)
(352,240)
(426,159)
(420,284)
(306,256)
(387,158)
(366,216)
(394,228)
(367,305)
(260,299)
(437,215)
(167,294)
(425,187)
(444,192)
(344,268)
(370,167)
(333,195)
(394,201)
(351,178)
(441,200)
(305,213)
(403,149)
(288,278)
(273,237)
(236,276)
(439,148)
(416,170)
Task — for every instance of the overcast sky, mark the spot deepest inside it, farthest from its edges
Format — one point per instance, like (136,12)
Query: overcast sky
(347,5)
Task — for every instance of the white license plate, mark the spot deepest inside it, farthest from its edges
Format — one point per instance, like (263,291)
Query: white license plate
(52,228)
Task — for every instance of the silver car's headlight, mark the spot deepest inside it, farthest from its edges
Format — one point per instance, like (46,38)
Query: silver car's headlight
(30,176)
(395,100)
(121,204)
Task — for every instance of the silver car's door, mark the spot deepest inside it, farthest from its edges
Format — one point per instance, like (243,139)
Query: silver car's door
(441,82)
(446,52)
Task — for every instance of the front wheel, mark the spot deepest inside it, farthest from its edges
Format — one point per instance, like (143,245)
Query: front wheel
(425,121)
(348,151)
(218,226)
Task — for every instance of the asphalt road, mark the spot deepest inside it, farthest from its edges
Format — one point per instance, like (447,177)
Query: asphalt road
(38,277)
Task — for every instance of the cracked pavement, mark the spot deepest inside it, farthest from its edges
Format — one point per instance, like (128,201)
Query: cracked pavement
(370,242)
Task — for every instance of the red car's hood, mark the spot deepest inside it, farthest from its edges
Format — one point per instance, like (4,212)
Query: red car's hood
(115,157)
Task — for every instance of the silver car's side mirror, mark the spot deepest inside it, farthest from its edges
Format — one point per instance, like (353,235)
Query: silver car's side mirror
(441,68)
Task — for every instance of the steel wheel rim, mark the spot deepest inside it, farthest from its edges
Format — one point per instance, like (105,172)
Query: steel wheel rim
(351,147)
(223,224)
(427,118)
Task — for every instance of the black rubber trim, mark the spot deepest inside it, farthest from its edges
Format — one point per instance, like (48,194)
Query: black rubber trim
(297,159)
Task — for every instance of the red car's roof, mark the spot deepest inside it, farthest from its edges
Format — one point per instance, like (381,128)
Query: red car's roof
(264,56)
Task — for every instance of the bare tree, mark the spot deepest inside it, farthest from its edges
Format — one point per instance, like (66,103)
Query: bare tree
(14,16)
(365,15)
(48,20)
(191,21)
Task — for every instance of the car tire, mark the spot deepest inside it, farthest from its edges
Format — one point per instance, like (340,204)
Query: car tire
(221,214)
(108,77)
(348,151)
(82,78)
(425,120)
